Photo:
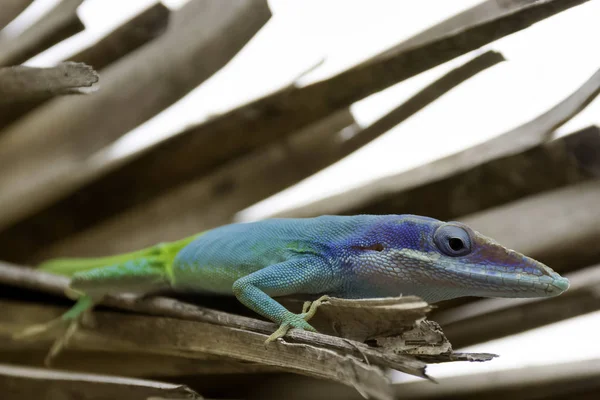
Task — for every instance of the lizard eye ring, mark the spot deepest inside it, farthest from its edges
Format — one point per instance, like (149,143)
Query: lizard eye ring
(452,240)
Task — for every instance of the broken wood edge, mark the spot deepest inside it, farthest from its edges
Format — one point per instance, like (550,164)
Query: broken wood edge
(136,32)
(58,24)
(23,382)
(522,138)
(24,83)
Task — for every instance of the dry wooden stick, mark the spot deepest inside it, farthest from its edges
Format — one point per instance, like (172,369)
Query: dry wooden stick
(201,38)
(58,24)
(576,379)
(120,334)
(531,134)
(24,83)
(231,135)
(35,383)
(133,34)
(207,201)
(564,161)
(11,9)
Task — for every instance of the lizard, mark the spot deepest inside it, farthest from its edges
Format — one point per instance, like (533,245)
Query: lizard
(353,257)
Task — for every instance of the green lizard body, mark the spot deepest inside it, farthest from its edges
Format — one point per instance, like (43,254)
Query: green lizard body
(363,256)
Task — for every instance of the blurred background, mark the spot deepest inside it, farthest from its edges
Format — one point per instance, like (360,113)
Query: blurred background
(524,128)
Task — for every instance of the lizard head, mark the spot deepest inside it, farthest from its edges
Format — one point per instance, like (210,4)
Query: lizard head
(442,260)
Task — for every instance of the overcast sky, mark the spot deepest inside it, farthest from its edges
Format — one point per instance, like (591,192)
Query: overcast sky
(545,63)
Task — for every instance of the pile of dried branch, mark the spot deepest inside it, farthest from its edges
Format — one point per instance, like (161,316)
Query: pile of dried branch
(55,181)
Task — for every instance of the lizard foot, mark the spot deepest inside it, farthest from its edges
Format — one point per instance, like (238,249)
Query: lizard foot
(41,330)
(298,321)
(68,326)
(67,323)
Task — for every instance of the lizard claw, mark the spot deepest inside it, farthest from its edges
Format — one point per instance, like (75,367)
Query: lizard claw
(298,321)
(40,330)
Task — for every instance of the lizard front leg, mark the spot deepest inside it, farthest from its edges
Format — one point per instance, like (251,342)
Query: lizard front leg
(306,275)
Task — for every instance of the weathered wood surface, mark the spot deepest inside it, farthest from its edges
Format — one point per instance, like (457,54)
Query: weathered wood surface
(46,153)
(558,381)
(576,379)
(25,83)
(260,122)
(11,9)
(17,383)
(120,333)
(125,39)
(490,319)
(385,192)
(212,200)
(58,24)
(549,165)
(479,14)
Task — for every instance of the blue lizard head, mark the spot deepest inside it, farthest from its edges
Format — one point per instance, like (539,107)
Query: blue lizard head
(414,255)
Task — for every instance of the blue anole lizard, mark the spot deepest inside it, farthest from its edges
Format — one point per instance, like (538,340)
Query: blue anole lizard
(365,256)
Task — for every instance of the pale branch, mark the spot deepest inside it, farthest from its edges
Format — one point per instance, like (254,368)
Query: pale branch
(489,319)
(35,383)
(202,37)
(210,200)
(11,9)
(136,32)
(58,24)
(531,134)
(567,160)
(231,135)
(25,83)
(135,365)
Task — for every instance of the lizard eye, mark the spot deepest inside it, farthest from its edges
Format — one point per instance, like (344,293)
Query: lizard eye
(452,240)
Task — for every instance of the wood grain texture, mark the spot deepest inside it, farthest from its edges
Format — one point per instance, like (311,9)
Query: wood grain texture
(56,25)
(527,136)
(120,333)
(568,160)
(47,152)
(136,32)
(25,83)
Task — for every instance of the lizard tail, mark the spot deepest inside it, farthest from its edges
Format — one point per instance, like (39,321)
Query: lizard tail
(70,266)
